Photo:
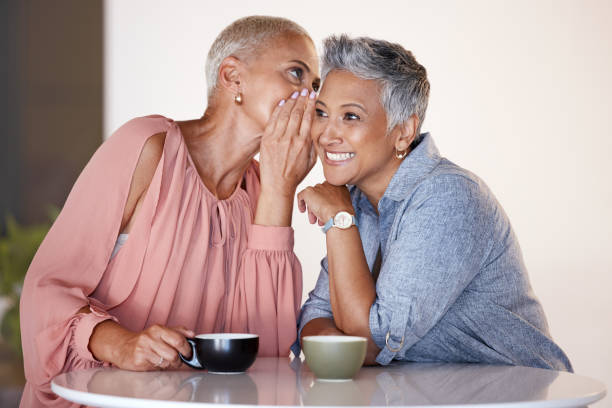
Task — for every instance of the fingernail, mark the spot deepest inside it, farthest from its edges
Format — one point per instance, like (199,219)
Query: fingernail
(281,103)
(304,92)
(295,95)
(313,94)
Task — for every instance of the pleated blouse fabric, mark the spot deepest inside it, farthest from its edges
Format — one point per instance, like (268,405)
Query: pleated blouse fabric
(190,260)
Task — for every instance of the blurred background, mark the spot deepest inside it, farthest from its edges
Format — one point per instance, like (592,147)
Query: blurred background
(51,104)
(521,95)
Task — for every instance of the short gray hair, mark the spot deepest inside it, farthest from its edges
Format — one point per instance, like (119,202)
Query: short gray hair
(403,81)
(244,38)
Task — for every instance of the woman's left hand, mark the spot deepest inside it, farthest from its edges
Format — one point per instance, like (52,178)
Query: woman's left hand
(323,201)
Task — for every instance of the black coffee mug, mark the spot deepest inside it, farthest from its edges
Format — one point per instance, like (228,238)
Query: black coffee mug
(222,352)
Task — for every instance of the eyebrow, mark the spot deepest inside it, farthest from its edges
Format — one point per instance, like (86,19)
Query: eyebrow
(317,80)
(318,101)
(302,64)
(355,105)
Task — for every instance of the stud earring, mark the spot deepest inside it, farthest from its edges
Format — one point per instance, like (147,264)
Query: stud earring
(238,98)
(402,154)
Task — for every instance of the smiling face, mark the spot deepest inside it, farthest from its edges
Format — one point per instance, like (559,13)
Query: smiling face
(350,133)
(289,63)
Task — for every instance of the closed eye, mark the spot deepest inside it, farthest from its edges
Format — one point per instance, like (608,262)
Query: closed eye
(320,113)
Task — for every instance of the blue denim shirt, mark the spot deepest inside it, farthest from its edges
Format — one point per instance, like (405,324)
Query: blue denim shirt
(452,286)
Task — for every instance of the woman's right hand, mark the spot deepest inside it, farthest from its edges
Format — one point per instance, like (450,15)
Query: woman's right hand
(154,348)
(286,155)
(286,151)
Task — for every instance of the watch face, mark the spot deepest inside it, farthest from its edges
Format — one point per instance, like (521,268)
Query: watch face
(343,220)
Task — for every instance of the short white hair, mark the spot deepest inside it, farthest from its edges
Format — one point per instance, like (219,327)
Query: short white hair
(244,38)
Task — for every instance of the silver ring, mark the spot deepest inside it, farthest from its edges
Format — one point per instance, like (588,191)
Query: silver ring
(393,350)
(159,363)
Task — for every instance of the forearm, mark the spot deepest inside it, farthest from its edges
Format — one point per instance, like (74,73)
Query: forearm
(352,289)
(274,208)
(104,341)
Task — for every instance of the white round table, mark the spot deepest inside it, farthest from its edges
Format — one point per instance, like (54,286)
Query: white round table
(273,382)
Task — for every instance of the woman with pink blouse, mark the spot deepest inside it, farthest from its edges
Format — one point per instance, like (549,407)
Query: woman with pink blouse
(173,228)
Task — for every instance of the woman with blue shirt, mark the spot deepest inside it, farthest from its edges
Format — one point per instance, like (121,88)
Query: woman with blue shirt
(421,258)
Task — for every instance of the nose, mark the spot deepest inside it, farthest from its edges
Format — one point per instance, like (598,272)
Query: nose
(309,87)
(314,86)
(311,80)
(329,135)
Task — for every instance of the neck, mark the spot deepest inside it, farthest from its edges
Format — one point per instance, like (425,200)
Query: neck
(222,145)
(375,188)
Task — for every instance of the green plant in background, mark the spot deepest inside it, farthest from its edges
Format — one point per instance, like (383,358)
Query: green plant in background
(17,248)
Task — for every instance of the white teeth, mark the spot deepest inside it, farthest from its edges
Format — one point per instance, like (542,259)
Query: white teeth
(339,156)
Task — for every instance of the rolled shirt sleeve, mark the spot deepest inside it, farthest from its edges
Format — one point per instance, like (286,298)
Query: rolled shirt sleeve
(432,255)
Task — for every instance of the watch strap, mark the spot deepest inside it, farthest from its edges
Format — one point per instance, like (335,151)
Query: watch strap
(328,225)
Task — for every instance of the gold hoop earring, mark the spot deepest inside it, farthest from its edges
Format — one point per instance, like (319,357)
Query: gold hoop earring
(238,98)
(400,155)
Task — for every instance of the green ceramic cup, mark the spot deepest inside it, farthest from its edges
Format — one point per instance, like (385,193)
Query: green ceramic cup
(334,358)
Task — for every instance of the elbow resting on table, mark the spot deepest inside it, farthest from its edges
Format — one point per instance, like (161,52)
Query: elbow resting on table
(362,328)
(354,327)
(354,322)
(358,324)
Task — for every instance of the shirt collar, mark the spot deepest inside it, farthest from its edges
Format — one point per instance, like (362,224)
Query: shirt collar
(419,162)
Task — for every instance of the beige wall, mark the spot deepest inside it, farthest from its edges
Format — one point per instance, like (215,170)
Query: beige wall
(521,95)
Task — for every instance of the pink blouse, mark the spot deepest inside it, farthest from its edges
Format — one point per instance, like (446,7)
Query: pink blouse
(190,260)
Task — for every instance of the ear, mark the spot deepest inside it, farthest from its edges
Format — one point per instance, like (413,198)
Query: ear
(230,75)
(405,133)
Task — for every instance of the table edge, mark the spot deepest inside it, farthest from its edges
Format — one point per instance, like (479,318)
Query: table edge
(80,397)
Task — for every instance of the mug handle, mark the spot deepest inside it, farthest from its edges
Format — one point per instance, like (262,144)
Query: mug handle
(194,362)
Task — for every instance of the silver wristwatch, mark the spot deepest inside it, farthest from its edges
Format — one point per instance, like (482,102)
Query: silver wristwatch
(342,220)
